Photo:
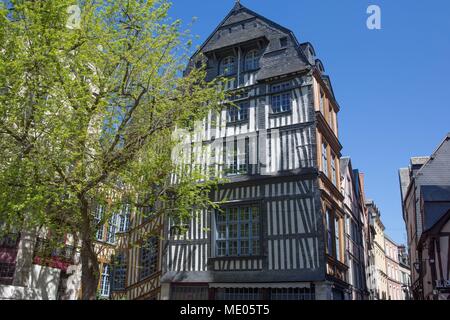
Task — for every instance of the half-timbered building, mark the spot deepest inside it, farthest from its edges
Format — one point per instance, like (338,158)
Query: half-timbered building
(425,190)
(280,231)
(136,265)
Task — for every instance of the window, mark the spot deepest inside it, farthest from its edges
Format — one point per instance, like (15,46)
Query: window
(227,66)
(331,117)
(7,273)
(237,157)
(325,158)
(252,60)
(297,294)
(105,281)
(99,213)
(322,101)
(149,258)
(238,232)
(120,272)
(124,218)
(178,292)
(239,294)
(283,42)
(281,101)
(10,241)
(111,234)
(337,238)
(333,169)
(239,113)
(329,228)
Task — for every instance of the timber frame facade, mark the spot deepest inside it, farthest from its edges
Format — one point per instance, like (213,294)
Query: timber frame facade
(137,263)
(280,233)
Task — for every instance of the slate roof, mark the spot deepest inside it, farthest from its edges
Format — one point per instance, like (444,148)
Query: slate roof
(279,62)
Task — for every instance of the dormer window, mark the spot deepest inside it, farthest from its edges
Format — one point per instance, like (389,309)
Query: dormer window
(227,66)
(283,42)
(252,60)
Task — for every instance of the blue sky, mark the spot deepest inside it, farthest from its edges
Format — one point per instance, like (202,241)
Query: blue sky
(392,84)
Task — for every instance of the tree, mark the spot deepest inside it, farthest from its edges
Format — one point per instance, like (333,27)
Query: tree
(89,100)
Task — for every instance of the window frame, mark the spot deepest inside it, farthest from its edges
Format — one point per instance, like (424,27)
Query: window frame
(99,214)
(227,66)
(281,97)
(119,272)
(150,248)
(237,160)
(251,235)
(251,60)
(325,158)
(105,281)
(238,114)
(334,169)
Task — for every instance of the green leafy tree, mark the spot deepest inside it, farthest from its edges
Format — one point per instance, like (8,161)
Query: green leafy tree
(89,98)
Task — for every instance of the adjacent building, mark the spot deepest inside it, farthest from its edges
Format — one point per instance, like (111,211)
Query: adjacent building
(425,192)
(355,220)
(388,272)
(405,272)
(377,278)
(32,269)
(394,283)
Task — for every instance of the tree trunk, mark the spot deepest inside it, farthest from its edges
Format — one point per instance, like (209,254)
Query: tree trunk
(89,263)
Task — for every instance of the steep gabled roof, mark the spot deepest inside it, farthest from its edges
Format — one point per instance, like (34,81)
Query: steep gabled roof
(246,15)
(429,161)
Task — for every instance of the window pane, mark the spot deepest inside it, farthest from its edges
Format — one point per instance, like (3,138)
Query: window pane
(222,231)
(233,248)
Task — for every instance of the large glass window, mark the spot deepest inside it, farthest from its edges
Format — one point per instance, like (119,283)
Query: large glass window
(238,113)
(228,66)
(252,60)
(281,100)
(105,283)
(238,232)
(149,258)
